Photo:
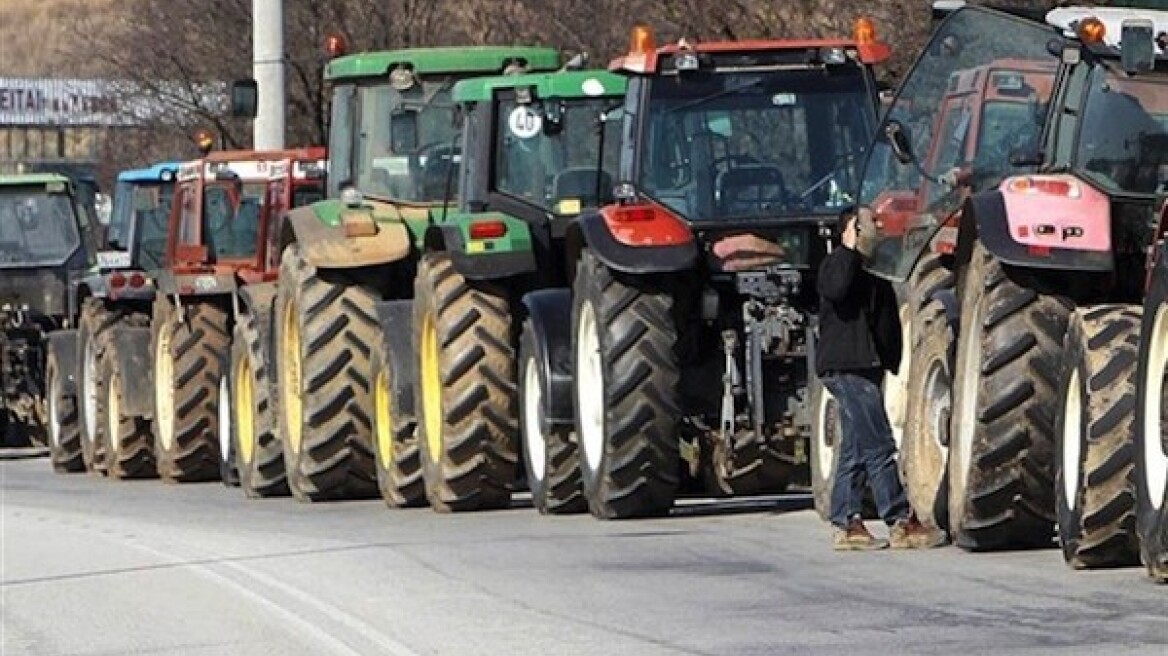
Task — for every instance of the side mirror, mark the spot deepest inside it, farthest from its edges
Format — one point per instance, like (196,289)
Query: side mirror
(244,98)
(1138,48)
(403,131)
(898,138)
(553,118)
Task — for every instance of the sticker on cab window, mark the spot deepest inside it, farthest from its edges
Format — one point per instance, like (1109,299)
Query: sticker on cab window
(524,122)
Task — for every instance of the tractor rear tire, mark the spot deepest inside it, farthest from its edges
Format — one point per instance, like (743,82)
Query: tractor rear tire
(550,452)
(468,421)
(397,453)
(1151,438)
(1006,386)
(188,355)
(259,455)
(1095,429)
(129,443)
(626,391)
(325,326)
(825,436)
(93,326)
(64,423)
(924,450)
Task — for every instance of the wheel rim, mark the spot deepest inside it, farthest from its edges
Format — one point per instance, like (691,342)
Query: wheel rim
(1072,434)
(590,388)
(113,415)
(224,419)
(896,384)
(54,417)
(825,444)
(381,408)
(164,388)
(244,409)
(533,437)
(1155,459)
(292,386)
(431,387)
(939,399)
(89,389)
(968,367)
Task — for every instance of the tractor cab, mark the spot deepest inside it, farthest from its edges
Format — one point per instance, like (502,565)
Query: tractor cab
(763,136)
(222,208)
(1074,179)
(136,237)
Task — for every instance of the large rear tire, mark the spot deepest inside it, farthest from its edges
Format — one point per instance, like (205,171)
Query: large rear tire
(259,454)
(325,327)
(188,355)
(1151,438)
(924,451)
(1095,438)
(64,423)
(93,326)
(1006,385)
(626,392)
(550,452)
(129,443)
(825,435)
(467,421)
(397,452)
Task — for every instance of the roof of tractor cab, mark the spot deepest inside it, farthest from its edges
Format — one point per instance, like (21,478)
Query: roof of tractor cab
(306,153)
(1067,20)
(649,62)
(559,84)
(430,61)
(154,173)
(32,179)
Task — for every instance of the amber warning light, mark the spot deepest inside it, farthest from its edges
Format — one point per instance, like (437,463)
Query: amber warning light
(335,46)
(641,40)
(872,49)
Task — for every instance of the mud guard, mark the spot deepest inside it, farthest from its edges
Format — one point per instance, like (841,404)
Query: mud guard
(328,247)
(484,266)
(132,347)
(592,230)
(396,322)
(63,343)
(550,313)
(988,210)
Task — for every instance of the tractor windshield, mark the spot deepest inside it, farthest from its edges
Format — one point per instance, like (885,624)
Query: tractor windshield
(37,228)
(233,231)
(976,93)
(754,145)
(141,212)
(1124,138)
(406,141)
(550,159)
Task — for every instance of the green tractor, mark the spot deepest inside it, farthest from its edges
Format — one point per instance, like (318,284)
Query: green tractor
(393,156)
(533,148)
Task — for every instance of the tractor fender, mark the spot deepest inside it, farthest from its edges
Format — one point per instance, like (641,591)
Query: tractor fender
(477,263)
(549,312)
(1044,231)
(637,252)
(396,323)
(63,344)
(135,364)
(328,247)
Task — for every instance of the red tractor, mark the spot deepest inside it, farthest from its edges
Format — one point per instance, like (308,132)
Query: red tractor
(684,340)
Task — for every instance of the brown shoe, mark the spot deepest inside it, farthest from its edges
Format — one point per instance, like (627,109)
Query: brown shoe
(912,534)
(856,538)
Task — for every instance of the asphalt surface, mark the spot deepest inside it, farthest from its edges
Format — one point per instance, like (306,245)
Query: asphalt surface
(90,566)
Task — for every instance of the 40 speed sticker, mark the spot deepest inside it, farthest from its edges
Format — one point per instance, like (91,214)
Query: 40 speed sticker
(524,122)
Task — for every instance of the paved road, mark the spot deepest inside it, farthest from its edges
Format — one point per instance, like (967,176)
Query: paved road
(98,567)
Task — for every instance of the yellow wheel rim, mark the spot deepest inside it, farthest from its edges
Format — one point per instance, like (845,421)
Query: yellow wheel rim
(431,387)
(384,416)
(244,408)
(164,387)
(292,386)
(113,416)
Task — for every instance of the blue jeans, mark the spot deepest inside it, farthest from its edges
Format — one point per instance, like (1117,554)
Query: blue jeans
(867,453)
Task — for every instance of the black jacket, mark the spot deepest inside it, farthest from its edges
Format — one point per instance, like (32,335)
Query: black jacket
(859,325)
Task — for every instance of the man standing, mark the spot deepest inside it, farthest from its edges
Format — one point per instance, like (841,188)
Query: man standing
(859,339)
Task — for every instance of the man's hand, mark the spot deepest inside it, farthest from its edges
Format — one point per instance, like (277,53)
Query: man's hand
(848,238)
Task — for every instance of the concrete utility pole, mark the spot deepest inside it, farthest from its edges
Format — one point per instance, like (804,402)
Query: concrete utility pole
(268,68)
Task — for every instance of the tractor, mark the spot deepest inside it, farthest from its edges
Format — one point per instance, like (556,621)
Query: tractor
(225,208)
(1042,327)
(734,162)
(348,262)
(532,147)
(47,244)
(119,294)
